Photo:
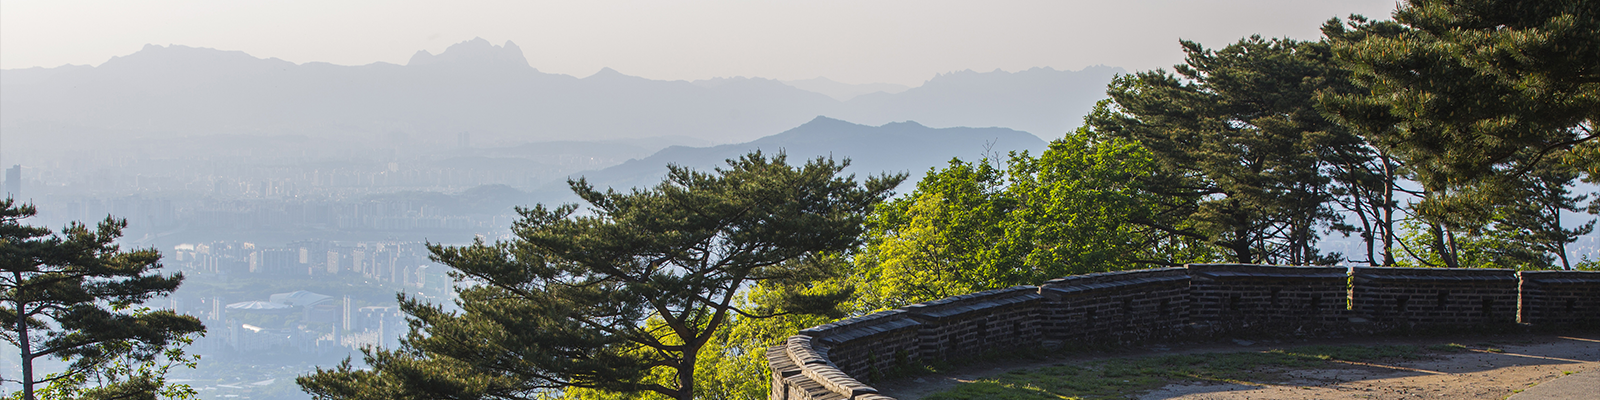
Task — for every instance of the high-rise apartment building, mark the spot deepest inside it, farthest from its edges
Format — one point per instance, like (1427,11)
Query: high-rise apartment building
(14,182)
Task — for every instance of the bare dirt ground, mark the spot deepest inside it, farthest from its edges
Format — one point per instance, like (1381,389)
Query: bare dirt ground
(1517,362)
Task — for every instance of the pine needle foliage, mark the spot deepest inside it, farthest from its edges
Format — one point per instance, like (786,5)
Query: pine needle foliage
(622,296)
(74,296)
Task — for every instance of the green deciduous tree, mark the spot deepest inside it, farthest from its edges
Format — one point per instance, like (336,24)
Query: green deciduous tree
(626,295)
(1242,149)
(733,364)
(73,296)
(977,226)
(129,376)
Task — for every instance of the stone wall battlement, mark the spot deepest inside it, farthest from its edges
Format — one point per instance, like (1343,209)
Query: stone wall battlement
(838,359)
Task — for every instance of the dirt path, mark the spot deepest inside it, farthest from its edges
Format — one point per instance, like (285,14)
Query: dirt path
(1522,361)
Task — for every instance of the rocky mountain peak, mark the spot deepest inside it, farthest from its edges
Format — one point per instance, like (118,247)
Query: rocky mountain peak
(475,52)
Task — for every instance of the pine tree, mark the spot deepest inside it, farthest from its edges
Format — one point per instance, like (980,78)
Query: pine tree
(623,296)
(1241,146)
(1473,94)
(1532,217)
(1471,84)
(73,296)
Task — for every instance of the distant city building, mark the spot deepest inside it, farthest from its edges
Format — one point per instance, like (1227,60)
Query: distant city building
(387,322)
(276,261)
(358,262)
(314,307)
(14,182)
(345,315)
(260,306)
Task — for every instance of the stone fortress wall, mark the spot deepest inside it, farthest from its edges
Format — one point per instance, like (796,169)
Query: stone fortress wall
(832,361)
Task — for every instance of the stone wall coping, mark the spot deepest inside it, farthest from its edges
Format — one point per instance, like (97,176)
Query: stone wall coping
(815,365)
(1416,271)
(780,362)
(1114,276)
(854,323)
(1560,277)
(1340,275)
(1563,281)
(1058,290)
(814,389)
(1254,267)
(1247,271)
(1470,278)
(803,353)
(939,310)
(847,333)
(981,296)
(1433,274)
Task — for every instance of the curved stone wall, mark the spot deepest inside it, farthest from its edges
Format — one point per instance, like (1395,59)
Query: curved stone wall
(833,361)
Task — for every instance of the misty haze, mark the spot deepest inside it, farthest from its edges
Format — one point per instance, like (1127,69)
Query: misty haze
(298,198)
(264,180)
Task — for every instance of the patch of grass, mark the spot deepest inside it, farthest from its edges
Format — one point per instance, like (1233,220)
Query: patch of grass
(1117,378)
(906,369)
(1361,353)
(1494,350)
(1448,348)
(1066,382)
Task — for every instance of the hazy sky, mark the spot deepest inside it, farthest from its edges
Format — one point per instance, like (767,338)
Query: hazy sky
(856,41)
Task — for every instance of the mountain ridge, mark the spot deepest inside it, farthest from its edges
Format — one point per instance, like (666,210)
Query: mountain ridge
(896,147)
(488,90)
(475,51)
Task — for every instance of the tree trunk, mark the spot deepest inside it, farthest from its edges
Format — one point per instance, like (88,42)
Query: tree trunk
(1440,247)
(686,374)
(1452,258)
(22,340)
(1561,237)
(1562,251)
(1241,248)
(1366,226)
(1388,209)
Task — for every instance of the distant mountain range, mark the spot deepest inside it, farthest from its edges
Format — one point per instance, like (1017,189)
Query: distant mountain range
(891,148)
(492,93)
(844,91)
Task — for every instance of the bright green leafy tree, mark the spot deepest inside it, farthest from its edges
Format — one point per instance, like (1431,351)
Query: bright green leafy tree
(733,365)
(74,296)
(975,226)
(625,293)
(129,375)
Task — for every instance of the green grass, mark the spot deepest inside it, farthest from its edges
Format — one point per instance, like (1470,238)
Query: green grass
(1117,378)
